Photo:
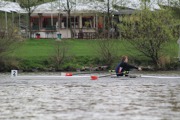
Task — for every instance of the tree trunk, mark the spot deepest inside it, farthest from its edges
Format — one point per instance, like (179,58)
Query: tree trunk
(69,17)
(29,17)
(29,21)
(70,26)
(108,17)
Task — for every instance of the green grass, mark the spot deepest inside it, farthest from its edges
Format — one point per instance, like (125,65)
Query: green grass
(81,47)
(44,48)
(34,49)
(36,53)
(38,49)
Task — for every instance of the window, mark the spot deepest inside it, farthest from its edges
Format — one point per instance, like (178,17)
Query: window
(35,23)
(74,22)
(87,22)
(48,25)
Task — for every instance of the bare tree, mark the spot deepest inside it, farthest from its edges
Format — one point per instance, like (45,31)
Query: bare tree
(107,51)
(68,6)
(30,6)
(145,2)
(5,42)
(106,48)
(61,51)
(8,35)
(108,8)
(8,38)
(107,11)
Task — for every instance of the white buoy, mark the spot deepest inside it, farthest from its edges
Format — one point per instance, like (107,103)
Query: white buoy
(14,73)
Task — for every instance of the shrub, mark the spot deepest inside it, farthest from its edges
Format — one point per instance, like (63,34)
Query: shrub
(8,42)
(167,63)
(9,63)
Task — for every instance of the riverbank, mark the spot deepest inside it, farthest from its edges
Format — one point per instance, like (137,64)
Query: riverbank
(74,54)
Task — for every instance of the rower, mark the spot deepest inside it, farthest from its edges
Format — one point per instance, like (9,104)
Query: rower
(123,67)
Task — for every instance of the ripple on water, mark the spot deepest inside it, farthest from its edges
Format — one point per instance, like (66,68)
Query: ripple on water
(105,99)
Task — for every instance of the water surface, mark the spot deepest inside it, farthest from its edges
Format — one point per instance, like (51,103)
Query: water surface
(83,99)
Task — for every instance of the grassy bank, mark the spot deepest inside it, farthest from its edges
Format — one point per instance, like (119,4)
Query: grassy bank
(43,48)
(37,53)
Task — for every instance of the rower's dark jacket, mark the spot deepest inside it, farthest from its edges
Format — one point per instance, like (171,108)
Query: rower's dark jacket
(124,67)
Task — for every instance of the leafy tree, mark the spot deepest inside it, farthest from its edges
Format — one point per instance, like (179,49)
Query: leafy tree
(147,31)
(173,5)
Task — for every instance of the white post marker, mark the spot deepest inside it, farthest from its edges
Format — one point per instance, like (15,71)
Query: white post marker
(14,73)
(179,48)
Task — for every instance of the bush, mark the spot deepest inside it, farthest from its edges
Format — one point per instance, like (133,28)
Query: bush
(168,63)
(8,42)
(29,65)
(107,51)
(8,63)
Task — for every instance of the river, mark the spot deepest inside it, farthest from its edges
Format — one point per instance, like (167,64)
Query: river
(84,99)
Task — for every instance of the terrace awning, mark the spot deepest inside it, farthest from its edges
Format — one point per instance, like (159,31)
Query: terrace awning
(8,6)
(60,6)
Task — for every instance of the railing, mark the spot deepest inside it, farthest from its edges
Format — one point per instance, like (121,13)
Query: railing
(87,35)
(48,28)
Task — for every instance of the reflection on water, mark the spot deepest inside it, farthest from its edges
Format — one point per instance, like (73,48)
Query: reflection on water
(83,99)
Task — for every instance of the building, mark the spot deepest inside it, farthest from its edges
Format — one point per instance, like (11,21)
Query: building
(50,19)
(87,17)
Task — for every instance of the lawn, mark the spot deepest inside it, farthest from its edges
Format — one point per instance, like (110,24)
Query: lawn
(43,48)
(38,49)
(34,49)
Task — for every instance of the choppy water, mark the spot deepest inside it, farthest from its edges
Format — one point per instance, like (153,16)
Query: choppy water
(84,99)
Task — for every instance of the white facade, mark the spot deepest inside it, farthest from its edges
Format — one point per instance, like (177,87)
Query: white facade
(49,26)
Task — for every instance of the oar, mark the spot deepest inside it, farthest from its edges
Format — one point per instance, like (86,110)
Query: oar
(107,75)
(94,77)
(88,72)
